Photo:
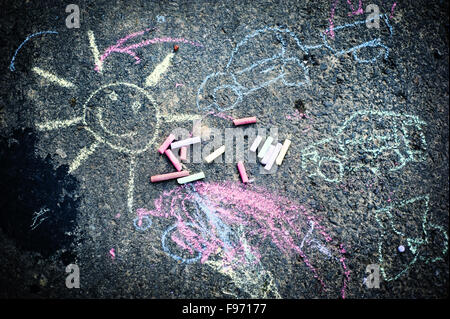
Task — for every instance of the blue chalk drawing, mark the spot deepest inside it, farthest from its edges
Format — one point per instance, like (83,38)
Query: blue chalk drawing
(11,66)
(145,225)
(386,133)
(277,62)
(166,248)
(160,19)
(275,68)
(374,44)
(418,247)
(205,219)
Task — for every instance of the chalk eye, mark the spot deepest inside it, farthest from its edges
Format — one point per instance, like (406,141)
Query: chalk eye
(113,96)
(136,106)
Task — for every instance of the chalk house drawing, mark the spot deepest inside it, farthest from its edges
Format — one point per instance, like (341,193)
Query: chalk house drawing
(429,245)
(129,127)
(384,135)
(282,60)
(223,225)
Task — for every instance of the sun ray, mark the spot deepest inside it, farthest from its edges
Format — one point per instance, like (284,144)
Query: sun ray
(54,125)
(53,78)
(130,194)
(180,117)
(84,153)
(160,69)
(94,50)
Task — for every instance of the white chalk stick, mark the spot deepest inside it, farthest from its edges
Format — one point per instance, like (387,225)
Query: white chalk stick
(268,154)
(255,144)
(191,178)
(211,157)
(273,157)
(186,142)
(283,151)
(265,147)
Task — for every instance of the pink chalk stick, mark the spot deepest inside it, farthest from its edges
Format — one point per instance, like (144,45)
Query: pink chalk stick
(242,172)
(247,120)
(183,153)
(166,143)
(165,177)
(173,159)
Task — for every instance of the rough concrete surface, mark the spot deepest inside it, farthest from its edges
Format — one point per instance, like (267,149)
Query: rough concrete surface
(367,112)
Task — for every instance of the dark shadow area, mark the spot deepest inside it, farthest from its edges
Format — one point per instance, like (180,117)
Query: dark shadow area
(38,203)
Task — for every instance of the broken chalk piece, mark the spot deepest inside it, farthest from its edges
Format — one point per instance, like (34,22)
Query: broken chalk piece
(168,176)
(273,157)
(186,142)
(242,172)
(173,159)
(265,147)
(211,157)
(191,178)
(247,120)
(283,151)
(255,144)
(266,157)
(166,143)
(183,153)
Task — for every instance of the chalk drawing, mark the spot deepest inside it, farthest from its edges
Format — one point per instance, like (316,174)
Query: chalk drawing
(392,10)
(129,128)
(53,78)
(180,117)
(11,66)
(112,252)
(37,216)
(160,19)
(249,276)
(140,225)
(54,125)
(418,247)
(387,133)
(374,44)
(241,78)
(360,10)
(84,153)
(94,49)
(120,47)
(229,78)
(160,69)
(232,219)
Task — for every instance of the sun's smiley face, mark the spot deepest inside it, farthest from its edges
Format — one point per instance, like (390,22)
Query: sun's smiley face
(122,115)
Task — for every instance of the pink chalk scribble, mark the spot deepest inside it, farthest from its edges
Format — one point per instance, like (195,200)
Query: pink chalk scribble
(352,12)
(297,115)
(236,218)
(392,10)
(112,252)
(120,47)
(178,84)
(220,115)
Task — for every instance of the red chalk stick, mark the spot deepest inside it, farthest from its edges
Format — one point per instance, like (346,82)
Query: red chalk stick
(166,143)
(247,120)
(242,172)
(165,177)
(173,159)
(183,153)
